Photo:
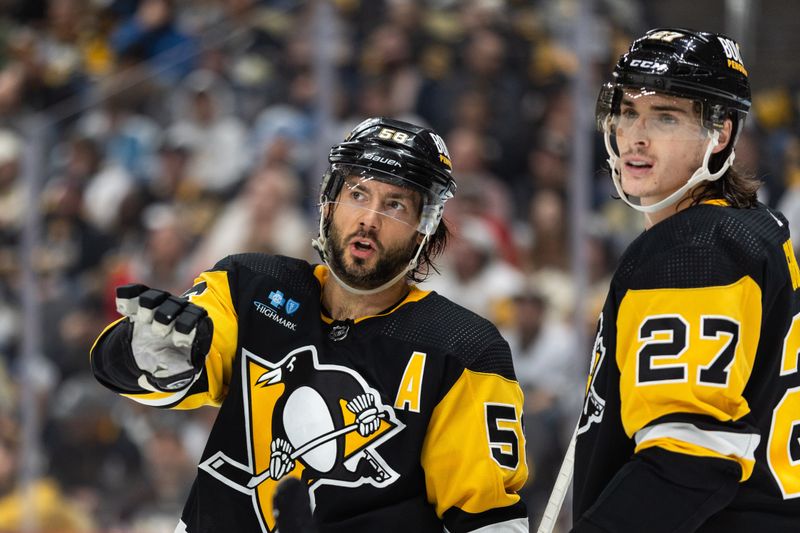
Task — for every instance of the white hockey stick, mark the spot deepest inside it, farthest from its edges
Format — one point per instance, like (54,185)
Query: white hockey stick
(322,439)
(560,488)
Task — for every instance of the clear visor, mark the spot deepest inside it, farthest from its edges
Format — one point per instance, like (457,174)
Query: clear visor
(644,114)
(393,198)
(633,119)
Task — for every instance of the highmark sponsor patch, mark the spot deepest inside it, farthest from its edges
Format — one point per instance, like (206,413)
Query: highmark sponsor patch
(272,314)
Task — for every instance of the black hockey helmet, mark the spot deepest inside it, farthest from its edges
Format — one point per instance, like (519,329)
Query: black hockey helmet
(399,153)
(703,66)
(394,151)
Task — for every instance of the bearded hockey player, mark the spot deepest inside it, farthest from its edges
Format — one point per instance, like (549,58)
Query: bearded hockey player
(692,412)
(393,408)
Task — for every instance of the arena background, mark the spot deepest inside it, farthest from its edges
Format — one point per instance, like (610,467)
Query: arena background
(146,139)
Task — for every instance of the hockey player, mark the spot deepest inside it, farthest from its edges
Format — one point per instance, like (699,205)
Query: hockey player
(396,409)
(692,413)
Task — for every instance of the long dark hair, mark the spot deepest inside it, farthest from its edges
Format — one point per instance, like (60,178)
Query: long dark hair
(434,247)
(736,187)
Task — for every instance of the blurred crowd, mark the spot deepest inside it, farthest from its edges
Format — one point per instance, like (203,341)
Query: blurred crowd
(179,131)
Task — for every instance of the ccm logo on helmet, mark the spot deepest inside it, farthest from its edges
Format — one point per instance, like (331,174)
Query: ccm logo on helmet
(382,160)
(644,63)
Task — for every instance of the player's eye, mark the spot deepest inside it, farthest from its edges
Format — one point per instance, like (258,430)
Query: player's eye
(629,114)
(396,205)
(668,119)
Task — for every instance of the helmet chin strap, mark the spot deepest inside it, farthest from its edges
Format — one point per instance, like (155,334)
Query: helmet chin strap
(321,243)
(700,175)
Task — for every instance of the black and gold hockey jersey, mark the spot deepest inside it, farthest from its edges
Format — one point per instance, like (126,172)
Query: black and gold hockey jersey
(691,420)
(446,448)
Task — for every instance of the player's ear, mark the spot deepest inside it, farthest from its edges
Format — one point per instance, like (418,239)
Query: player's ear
(724,136)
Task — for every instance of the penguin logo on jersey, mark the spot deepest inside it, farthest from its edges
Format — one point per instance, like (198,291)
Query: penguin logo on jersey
(320,423)
(196,290)
(594,405)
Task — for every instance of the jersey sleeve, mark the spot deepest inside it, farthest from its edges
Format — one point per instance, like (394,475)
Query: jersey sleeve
(659,491)
(113,364)
(685,352)
(474,452)
(685,357)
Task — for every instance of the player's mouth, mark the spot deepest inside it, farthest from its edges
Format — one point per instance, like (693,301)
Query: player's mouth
(637,166)
(362,247)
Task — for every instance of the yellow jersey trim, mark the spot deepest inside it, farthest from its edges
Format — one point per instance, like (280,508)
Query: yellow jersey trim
(716,201)
(415,294)
(678,446)
(682,437)
(791,262)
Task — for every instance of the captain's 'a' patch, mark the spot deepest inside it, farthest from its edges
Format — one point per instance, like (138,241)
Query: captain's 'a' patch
(317,422)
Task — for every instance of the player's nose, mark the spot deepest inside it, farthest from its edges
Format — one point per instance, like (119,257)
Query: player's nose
(638,132)
(369,217)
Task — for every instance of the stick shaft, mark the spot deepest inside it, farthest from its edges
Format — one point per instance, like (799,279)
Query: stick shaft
(560,488)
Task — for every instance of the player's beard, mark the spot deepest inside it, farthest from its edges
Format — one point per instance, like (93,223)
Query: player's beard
(389,264)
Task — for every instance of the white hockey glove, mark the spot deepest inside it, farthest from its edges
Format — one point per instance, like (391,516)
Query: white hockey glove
(280,460)
(170,339)
(363,406)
